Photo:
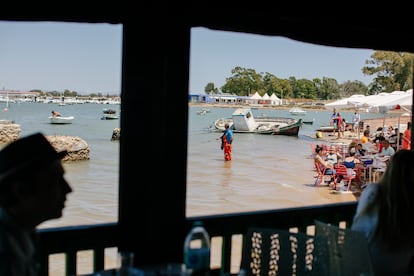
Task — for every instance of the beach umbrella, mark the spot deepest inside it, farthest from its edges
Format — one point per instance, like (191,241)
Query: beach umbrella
(396,102)
(384,101)
(345,103)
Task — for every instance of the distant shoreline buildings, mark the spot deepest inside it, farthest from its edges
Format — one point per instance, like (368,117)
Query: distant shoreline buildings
(45,97)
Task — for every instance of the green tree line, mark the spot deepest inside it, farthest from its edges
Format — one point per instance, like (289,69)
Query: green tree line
(392,70)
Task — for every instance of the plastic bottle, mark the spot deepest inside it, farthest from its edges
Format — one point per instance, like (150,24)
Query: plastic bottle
(197,249)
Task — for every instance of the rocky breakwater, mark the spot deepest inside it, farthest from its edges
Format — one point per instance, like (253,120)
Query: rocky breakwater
(77,148)
(9,131)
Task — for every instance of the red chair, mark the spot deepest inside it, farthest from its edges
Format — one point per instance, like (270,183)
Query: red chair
(322,177)
(342,173)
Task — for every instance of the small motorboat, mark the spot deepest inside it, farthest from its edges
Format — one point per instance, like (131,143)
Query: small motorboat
(297,111)
(109,117)
(109,114)
(308,121)
(61,119)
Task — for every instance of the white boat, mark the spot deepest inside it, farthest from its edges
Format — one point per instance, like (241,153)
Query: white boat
(242,120)
(109,114)
(61,119)
(203,111)
(297,111)
(109,117)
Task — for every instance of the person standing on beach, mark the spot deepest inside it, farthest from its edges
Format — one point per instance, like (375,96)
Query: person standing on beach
(406,138)
(334,121)
(32,190)
(227,140)
(385,215)
(356,119)
(340,125)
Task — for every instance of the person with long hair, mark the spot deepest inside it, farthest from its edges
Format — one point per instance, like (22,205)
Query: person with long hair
(385,215)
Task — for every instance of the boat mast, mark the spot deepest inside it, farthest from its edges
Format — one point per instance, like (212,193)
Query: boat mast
(7,101)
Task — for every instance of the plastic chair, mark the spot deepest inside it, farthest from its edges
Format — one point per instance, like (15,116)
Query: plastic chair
(348,250)
(342,173)
(280,252)
(321,176)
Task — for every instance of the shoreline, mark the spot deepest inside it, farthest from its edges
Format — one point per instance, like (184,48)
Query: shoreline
(374,123)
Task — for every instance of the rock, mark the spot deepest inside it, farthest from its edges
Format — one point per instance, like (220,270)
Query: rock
(116,134)
(77,148)
(9,132)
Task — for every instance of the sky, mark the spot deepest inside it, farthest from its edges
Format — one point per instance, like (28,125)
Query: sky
(215,53)
(53,56)
(86,58)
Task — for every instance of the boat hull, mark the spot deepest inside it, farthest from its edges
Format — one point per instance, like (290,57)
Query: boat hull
(60,120)
(290,130)
(109,117)
(348,126)
(298,111)
(109,114)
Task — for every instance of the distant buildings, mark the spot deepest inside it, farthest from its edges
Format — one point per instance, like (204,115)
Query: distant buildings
(234,99)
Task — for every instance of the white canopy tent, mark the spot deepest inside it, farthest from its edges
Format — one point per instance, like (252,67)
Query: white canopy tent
(394,104)
(384,101)
(275,100)
(345,102)
(255,98)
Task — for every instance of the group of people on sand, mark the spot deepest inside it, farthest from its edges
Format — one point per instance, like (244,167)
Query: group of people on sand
(384,210)
(387,136)
(338,123)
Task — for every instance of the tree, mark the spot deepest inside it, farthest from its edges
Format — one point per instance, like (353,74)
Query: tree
(350,88)
(394,71)
(272,84)
(243,82)
(304,89)
(210,88)
(327,88)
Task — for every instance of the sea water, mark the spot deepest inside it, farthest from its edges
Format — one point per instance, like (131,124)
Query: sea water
(267,171)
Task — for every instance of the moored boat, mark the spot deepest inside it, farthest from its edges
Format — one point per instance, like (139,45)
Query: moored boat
(243,121)
(61,119)
(297,111)
(109,114)
(109,117)
(330,128)
(308,121)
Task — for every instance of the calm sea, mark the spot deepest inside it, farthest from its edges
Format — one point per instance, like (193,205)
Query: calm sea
(267,171)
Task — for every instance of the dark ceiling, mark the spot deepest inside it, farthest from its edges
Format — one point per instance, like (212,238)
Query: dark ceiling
(376,26)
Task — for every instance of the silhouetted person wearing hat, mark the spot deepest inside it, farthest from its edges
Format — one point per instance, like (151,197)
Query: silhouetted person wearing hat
(32,190)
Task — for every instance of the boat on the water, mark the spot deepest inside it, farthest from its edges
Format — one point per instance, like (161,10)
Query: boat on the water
(109,114)
(308,121)
(297,111)
(330,128)
(243,121)
(61,119)
(203,111)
